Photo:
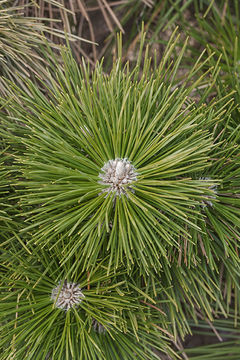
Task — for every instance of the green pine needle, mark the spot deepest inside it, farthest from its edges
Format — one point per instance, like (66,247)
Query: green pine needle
(81,124)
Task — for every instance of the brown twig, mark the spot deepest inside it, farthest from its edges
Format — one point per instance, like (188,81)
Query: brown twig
(180,347)
(108,22)
(154,307)
(116,3)
(113,16)
(92,36)
(210,324)
(224,12)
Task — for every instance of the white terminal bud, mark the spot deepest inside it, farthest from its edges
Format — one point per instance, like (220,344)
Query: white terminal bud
(117,174)
(66,295)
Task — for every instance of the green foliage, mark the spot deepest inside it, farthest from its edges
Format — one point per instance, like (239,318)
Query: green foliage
(125,325)
(68,138)
(217,29)
(21,39)
(161,250)
(8,223)
(4,218)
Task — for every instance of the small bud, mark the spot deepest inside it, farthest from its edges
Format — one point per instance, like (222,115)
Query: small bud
(67,295)
(117,174)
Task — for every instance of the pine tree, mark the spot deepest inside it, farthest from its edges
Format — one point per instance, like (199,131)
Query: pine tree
(127,194)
